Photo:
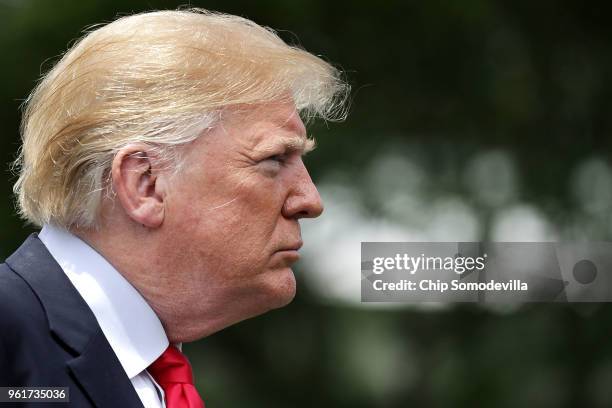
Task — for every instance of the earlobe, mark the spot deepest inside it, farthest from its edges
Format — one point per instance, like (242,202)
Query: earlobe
(136,184)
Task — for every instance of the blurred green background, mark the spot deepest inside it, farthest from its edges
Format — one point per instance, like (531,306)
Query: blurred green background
(470,120)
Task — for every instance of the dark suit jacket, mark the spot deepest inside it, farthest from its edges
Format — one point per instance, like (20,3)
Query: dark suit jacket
(50,338)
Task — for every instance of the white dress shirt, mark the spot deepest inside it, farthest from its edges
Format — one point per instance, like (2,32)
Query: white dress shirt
(131,327)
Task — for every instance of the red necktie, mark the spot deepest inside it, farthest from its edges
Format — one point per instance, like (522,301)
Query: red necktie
(172,372)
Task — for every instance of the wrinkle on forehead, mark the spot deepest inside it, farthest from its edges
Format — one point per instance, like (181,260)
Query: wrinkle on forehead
(292,134)
(294,123)
(282,112)
(273,125)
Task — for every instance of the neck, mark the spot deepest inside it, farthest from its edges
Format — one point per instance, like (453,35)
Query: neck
(135,256)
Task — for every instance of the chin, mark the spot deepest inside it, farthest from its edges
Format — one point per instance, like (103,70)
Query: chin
(274,290)
(280,289)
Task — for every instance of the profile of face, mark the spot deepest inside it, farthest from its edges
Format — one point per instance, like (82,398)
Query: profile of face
(231,229)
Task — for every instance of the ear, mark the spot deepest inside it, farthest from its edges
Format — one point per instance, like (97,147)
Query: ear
(136,174)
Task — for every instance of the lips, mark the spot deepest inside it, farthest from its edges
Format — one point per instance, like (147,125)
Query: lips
(292,247)
(289,253)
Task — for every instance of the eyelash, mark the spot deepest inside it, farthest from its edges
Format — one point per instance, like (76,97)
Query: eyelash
(280,158)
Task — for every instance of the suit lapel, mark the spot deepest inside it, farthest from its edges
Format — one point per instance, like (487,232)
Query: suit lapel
(103,377)
(95,365)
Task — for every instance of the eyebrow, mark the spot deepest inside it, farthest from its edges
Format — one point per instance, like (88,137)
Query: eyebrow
(301,144)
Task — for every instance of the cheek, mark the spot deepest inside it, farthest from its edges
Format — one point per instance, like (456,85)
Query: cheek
(237,215)
(262,194)
(230,239)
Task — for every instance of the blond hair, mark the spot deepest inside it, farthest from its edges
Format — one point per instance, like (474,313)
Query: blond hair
(160,78)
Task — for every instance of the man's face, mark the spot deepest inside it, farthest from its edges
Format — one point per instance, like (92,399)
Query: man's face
(231,214)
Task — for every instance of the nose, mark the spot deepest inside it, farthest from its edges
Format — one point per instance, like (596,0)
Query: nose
(303,200)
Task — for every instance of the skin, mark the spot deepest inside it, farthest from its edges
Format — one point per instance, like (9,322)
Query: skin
(213,244)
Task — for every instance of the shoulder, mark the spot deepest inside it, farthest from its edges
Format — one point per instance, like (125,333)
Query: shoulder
(23,328)
(17,300)
(20,310)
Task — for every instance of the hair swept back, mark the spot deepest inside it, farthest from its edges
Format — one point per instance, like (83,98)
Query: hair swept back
(159,78)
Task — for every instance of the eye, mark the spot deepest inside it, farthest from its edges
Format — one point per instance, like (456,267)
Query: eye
(279,158)
(273,164)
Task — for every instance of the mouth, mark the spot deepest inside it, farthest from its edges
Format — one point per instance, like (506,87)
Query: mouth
(290,252)
(293,247)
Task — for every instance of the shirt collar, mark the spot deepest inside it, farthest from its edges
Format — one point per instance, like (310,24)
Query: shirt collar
(131,327)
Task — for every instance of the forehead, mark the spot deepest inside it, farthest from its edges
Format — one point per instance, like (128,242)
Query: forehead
(266,123)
